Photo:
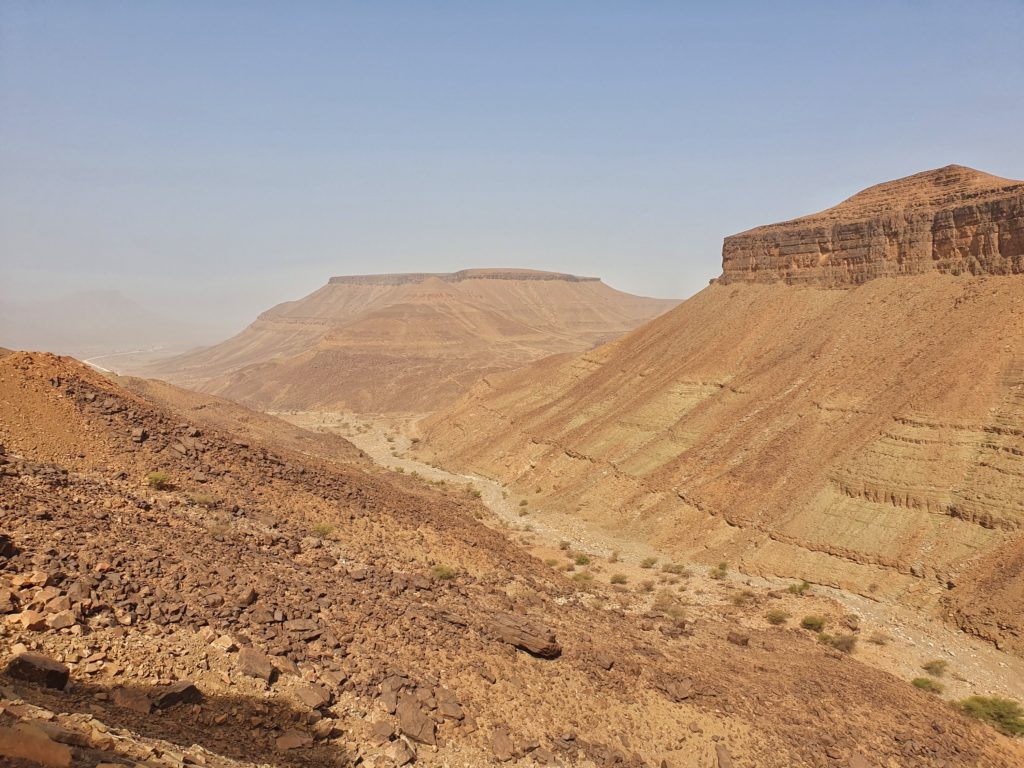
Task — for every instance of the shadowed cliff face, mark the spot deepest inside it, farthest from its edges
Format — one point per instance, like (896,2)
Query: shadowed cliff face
(953,220)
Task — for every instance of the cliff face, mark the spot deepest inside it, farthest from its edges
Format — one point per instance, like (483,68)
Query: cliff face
(953,220)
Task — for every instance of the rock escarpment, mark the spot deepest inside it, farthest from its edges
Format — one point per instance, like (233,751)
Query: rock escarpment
(953,220)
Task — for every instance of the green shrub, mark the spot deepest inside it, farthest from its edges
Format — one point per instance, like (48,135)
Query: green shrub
(442,573)
(648,562)
(552,562)
(1004,714)
(582,560)
(583,577)
(777,617)
(813,623)
(935,667)
(927,684)
(158,481)
(618,578)
(799,589)
(676,569)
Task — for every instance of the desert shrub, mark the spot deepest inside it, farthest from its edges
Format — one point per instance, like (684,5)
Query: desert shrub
(879,638)
(844,643)
(523,511)
(551,562)
(935,667)
(564,545)
(742,598)
(204,500)
(799,589)
(676,569)
(158,481)
(569,567)
(648,562)
(1005,715)
(323,530)
(614,556)
(720,571)
(618,578)
(647,585)
(777,617)
(582,559)
(475,493)
(668,604)
(813,622)
(442,573)
(523,503)
(927,684)
(583,577)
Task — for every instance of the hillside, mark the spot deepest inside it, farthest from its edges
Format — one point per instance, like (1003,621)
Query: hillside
(408,342)
(262,606)
(869,438)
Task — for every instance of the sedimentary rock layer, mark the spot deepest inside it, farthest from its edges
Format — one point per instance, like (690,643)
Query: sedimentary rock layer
(953,220)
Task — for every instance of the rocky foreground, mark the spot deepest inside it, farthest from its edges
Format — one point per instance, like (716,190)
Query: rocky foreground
(178,595)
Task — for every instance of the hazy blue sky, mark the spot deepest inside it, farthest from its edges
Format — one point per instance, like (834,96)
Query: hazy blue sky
(217,157)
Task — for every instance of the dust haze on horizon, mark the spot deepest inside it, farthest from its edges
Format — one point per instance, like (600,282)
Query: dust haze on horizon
(169,172)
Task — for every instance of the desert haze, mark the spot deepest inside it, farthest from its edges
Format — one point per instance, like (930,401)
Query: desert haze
(380,386)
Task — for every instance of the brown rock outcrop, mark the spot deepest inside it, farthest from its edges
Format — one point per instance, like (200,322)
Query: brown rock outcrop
(953,220)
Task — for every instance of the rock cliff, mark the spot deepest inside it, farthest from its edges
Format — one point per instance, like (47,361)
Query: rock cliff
(953,220)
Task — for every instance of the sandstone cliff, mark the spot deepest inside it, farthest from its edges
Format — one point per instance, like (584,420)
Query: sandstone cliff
(953,220)
(868,438)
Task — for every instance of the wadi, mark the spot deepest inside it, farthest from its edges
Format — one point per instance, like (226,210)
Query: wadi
(517,517)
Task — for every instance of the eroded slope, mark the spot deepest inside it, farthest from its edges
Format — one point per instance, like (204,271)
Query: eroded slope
(298,596)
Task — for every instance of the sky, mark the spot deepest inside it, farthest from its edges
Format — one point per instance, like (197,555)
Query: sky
(207,160)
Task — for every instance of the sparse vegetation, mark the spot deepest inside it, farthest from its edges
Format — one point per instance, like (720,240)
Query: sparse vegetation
(523,503)
(1005,715)
(844,643)
(618,578)
(552,562)
(720,571)
(582,559)
(614,556)
(742,598)
(935,667)
(204,500)
(777,617)
(323,530)
(583,577)
(158,481)
(799,589)
(879,638)
(676,569)
(564,545)
(647,585)
(648,562)
(668,604)
(813,622)
(927,684)
(442,573)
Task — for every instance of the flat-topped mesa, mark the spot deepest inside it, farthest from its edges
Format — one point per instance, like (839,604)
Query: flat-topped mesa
(409,278)
(954,220)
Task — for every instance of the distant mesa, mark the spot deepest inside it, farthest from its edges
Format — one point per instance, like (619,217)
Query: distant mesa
(457,277)
(407,343)
(953,220)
